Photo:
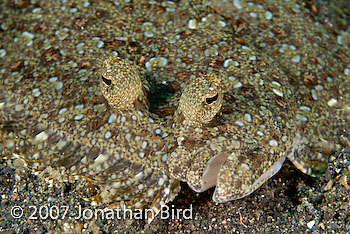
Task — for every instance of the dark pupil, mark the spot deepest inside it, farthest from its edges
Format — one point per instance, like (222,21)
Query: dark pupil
(106,81)
(212,99)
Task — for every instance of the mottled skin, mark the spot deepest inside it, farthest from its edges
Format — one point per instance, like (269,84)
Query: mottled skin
(124,156)
(279,71)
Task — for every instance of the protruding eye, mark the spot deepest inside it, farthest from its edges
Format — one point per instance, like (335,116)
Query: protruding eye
(210,100)
(106,81)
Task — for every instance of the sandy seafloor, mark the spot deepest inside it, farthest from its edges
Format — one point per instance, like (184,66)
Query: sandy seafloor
(290,202)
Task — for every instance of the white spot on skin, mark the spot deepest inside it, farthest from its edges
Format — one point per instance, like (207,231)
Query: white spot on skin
(2,53)
(150,193)
(144,145)
(237,4)
(260,133)
(248,117)
(311,224)
(221,24)
(332,102)
(150,120)
(164,157)
(192,24)
(19,107)
(165,135)
(100,44)
(277,92)
(305,108)
(41,137)
(228,62)
(78,117)
(112,118)
(138,176)
(108,134)
(252,57)
(133,117)
(53,79)
(253,14)
(116,185)
(59,85)
(161,182)
(81,106)
(301,117)
(239,123)
(28,34)
(101,159)
(123,119)
(238,85)
(141,154)
(268,15)
(273,142)
(296,58)
(347,71)
(157,131)
(128,136)
(36,92)
(314,95)
(276,83)
(140,113)
(245,166)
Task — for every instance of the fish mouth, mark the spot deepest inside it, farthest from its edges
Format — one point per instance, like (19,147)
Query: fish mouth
(210,174)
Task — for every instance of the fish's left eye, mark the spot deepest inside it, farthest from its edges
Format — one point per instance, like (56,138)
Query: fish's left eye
(106,81)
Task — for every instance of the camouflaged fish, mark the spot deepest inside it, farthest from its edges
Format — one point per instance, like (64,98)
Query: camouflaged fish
(249,90)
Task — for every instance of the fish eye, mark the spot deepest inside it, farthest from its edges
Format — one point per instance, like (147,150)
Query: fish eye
(106,81)
(210,100)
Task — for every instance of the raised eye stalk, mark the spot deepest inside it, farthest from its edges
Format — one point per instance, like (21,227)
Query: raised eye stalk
(201,100)
(120,84)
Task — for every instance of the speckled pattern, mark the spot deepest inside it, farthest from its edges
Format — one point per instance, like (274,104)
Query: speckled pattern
(284,77)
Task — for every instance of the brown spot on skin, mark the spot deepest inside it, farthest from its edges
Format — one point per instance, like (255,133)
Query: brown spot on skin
(186,60)
(159,9)
(39,28)
(101,13)
(280,101)
(79,23)
(22,3)
(240,41)
(17,66)
(115,135)
(309,78)
(133,47)
(182,75)
(165,111)
(85,64)
(128,9)
(223,49)
(51,55)
(280,33)
(67,90)
(217,62)
(110,43)
(164,50)
(95,124)
(270,41)
(49,105)
(246,90)
(239,25)
(185,33)
(313,60)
